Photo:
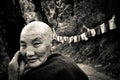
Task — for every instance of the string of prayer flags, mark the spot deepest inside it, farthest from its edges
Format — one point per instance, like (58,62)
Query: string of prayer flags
(71,39)
(100,29)
(112,23)
(84,37)
(93,32)
(75,39)
(103,28)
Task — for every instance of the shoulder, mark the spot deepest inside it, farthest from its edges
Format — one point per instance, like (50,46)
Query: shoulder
(61,59)
(62,63)
(67,69)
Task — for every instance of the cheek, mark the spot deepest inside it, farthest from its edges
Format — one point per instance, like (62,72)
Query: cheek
(41,49)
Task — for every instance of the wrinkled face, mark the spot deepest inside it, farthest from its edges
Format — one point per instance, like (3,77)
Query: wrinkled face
(35,47)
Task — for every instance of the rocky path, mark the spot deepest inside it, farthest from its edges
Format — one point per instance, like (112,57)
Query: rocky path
(94,74)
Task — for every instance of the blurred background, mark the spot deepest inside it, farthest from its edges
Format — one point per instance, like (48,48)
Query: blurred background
(85,30)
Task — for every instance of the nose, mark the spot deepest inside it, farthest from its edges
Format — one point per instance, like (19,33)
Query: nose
(29,53)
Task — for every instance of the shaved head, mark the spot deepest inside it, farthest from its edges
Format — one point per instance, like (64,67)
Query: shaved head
(35,43)
(37,27)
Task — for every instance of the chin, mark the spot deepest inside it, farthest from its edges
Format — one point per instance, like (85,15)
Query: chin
(35,64)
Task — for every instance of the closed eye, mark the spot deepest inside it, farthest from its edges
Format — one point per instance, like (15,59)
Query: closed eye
(23,45)
(36,44)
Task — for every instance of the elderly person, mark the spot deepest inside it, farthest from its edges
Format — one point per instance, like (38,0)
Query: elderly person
(35,61)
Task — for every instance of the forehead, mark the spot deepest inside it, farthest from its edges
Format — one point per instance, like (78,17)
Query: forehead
(28,37)
(32,33)
(36,29)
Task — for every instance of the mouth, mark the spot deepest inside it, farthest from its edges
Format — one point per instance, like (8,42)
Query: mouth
(32,60)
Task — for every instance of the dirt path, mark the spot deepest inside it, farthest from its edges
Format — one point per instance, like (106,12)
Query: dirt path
(93,74)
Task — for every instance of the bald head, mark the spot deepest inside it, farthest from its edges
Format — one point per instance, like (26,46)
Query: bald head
(37,27)
(35,43)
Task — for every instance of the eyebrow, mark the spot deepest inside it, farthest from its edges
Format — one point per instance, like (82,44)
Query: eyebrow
(36,39)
